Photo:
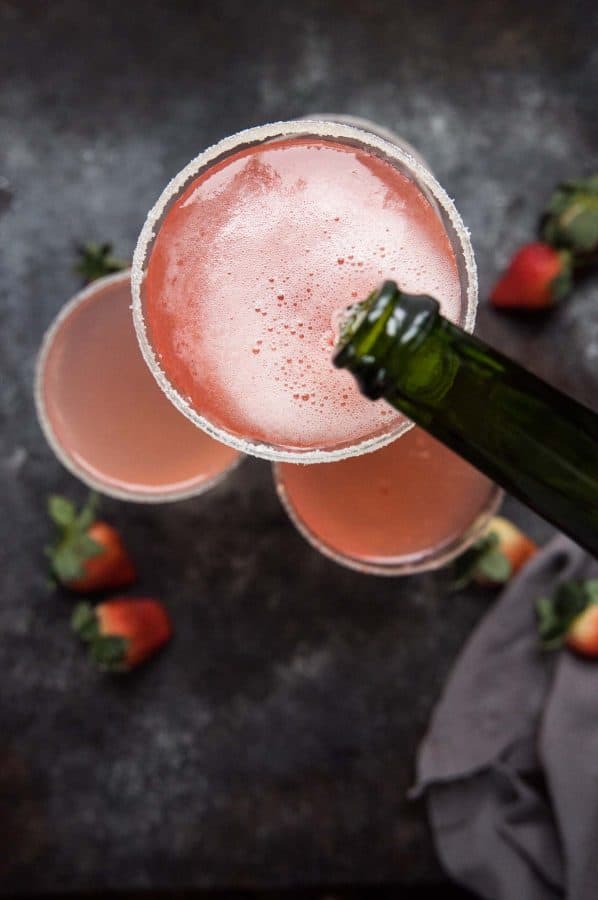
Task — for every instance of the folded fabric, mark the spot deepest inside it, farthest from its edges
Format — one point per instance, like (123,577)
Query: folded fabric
(509,765)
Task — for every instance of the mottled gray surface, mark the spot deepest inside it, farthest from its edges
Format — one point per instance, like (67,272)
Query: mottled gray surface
(273,742)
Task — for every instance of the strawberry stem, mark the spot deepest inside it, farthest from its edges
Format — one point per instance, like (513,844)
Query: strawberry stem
(109,653)
(97,260)
(84,622)
(72,546)
(484,558)
(556,613)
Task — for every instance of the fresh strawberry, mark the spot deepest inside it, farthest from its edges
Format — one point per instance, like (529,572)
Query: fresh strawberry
(570,616)
(583,632)
(515,546)
(122,632)
(537,276)
(87,555)
(500,553)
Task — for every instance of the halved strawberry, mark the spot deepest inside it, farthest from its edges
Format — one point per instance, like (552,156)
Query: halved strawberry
(537,276)
(122,632)
(583,632)
(500,553)
(515,546)
(87,555)
(570,616)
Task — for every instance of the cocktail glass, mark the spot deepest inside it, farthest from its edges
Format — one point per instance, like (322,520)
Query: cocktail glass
(103,414)
(179,193)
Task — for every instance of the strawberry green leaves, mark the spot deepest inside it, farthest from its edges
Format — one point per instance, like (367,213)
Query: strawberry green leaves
(542,273)
(97,260)
(499,554)
(557,612)
(72,546)
(571,219)
(108,652)
(87,554)
(84,621)
(484,558)
(560,615)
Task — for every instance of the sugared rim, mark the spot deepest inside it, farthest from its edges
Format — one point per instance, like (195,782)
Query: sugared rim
(191,488)
(412,564)
(261,134)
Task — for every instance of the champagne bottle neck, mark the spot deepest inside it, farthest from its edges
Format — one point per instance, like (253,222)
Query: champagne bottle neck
(382,334)
(539,444)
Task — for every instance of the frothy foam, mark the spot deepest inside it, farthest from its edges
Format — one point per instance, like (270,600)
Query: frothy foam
(250,268)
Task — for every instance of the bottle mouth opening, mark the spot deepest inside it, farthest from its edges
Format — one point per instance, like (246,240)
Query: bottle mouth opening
(387,318)
(352,318)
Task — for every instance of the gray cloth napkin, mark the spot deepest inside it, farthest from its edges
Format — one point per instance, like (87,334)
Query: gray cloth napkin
(509,765)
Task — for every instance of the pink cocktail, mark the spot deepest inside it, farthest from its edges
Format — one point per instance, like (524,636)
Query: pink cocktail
(247,262)
(408,507)
(103,413)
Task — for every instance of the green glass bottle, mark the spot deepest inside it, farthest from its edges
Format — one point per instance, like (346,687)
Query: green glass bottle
(530,438)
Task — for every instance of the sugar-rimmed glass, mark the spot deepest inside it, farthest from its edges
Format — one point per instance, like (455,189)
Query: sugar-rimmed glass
(364,140)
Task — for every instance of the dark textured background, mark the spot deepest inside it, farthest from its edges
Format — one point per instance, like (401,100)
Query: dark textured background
(273,742)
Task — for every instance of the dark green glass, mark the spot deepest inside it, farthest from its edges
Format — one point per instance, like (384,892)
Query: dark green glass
(533,440)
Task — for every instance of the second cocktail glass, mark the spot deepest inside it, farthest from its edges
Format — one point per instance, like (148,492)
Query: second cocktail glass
(103,414)
(409,507)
